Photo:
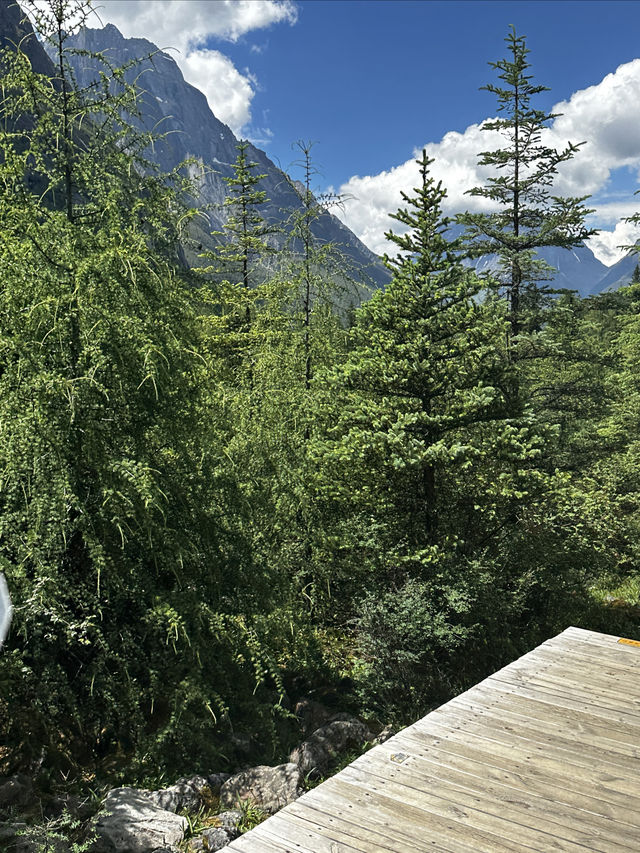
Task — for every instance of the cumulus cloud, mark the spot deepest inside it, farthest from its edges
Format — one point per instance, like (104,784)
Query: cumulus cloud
(228,92)
(609,246)
(605,115)
(187,26)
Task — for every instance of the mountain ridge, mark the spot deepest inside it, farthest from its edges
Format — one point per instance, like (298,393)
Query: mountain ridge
(192,131)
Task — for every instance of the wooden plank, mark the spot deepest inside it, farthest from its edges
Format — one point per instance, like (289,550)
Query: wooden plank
(553,739)
(300,836)
(545,704)
(468,810)
(373,829)
(578,793)
(536,759)
(586,660)
(256,841)
(526,739)
(418,815)
(563,687)
(516,711)
(597,653)
(533,811)
(541,756)
(552,695)
(611,688)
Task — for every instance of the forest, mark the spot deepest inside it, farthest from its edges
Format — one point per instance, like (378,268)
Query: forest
(224,487)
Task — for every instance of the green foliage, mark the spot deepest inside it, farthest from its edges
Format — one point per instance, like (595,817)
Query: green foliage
(216,499)
(134,593)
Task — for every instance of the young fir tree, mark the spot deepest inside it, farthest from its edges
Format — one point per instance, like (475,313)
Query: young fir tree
(124,560)
(529,217)
(240,257)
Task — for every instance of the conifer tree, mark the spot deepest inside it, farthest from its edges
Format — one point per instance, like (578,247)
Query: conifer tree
(244,240)
(112,518)
(529,216)
(419,467)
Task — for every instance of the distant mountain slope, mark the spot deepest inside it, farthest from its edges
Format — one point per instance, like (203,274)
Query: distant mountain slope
(617,275)
(576,269)
(15,30)
(173,106)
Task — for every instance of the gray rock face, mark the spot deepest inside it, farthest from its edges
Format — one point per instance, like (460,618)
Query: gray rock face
(130,823)
(315,755)
(230,820)
(171,105)
(15,29)
(217,837)
(387,732)
(269,788)
(184,795)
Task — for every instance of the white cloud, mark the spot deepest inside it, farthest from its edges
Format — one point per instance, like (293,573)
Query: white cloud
(605,115)
(187,25)
(606,245)
(228,92)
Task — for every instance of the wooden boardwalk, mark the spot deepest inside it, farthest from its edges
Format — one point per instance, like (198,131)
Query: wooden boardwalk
(542,756)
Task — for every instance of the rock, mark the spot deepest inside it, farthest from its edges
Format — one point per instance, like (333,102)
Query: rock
(15,791)
(214,838)
(269,788)
(315,756)
(129,822)
(184,795)
(215,781)
(384,735)
(230,821)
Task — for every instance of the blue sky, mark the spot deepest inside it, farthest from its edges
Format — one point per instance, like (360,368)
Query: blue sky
(372,81)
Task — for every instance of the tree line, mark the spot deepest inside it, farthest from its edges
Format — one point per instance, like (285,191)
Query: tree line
(221,489)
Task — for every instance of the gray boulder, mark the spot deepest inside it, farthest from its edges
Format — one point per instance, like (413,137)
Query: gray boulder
(215,838)
(269,788)
(383,736)
(215,781)
(316,754)
(313,715)
(184,795)
(230,821)
(130,823)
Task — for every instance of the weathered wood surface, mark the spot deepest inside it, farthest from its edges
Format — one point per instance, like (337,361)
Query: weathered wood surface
(544,755)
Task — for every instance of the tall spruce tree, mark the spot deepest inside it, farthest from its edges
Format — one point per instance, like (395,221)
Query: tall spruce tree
(530,217)
(419,467)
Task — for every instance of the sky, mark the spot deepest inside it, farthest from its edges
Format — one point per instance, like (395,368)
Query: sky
(372,82)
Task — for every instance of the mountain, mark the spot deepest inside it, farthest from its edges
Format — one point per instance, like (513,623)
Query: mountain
(576,269)
(173,107)
(617,275)
(15,30)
